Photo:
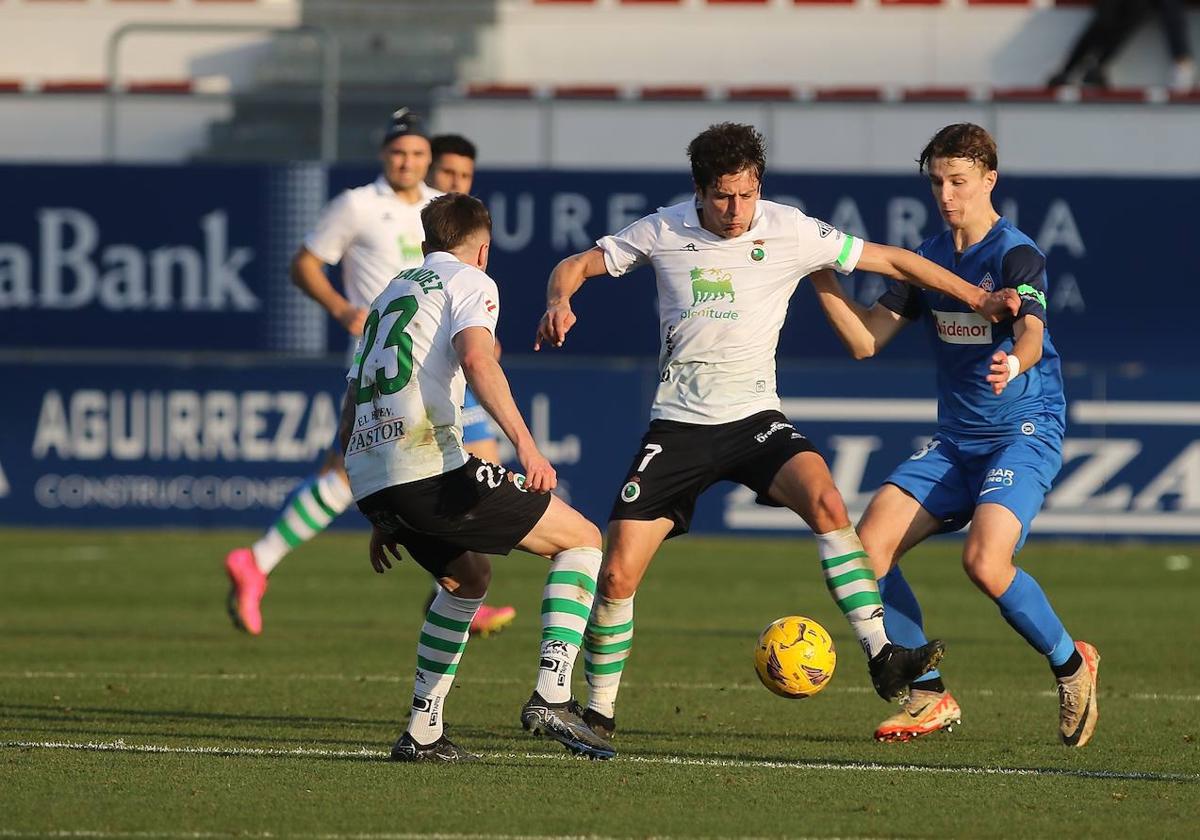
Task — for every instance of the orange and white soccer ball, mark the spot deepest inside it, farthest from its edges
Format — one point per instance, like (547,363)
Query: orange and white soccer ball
(795,657)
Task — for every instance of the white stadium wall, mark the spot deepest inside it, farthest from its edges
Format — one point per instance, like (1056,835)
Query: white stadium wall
(51,43)
(850,84)
(845,42)
(1035,138)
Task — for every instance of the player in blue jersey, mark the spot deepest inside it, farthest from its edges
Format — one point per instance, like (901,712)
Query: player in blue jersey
(998,444)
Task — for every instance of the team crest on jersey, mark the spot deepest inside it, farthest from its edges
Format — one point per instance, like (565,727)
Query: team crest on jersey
(709,284)
(758,253)
(987,284)
(631,491)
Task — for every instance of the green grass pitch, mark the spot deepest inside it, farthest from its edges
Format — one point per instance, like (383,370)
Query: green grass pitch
(130,707)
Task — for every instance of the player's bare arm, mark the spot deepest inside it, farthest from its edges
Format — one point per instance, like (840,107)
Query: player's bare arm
(566,279)
(346,421)
(908,267)
(477,355)
(308,274)
(864,331)
(1027,352)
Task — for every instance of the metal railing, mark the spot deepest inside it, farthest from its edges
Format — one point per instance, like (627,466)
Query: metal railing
(326,43)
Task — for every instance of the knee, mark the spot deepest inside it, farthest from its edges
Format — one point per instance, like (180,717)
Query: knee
(334,462)
(883,553)
(990,573)
(615,579)
(589,535)
(473,574)
(829,510)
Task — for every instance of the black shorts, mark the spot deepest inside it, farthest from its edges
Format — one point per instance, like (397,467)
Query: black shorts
(679,461)
(473,508)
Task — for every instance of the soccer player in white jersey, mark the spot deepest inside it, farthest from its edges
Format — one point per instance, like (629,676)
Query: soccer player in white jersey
(726,264)
(428,335)
(453,170)
(374,231)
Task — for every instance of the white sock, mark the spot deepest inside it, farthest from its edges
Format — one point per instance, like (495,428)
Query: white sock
(443,638)
(566,605)
(606,648)
(314,506)
(852,584)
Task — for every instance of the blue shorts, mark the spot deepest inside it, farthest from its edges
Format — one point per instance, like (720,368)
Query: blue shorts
(477,425)
(949,477)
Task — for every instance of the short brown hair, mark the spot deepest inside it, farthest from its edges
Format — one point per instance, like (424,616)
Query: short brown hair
(961,140)
(726,149)
(451,219)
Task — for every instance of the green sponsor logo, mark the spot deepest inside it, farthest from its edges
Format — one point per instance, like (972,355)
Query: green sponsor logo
(1029,293)
(410,251)
(709,284)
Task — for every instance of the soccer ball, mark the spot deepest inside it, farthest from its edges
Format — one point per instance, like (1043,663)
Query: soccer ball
(795,657)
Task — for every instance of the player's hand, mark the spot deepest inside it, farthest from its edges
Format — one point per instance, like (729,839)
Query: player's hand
(353,318)
(554,326)
(1001,305)
(381,544)
(539,474)
(998,372)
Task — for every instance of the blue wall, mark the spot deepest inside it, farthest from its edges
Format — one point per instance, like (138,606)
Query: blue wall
(149,338)
(195,258)
(205,444)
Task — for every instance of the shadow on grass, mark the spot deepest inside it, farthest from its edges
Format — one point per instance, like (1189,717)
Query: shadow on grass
(59,712)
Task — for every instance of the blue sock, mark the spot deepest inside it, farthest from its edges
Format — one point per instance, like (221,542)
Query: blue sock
(902,614)
(1025,607)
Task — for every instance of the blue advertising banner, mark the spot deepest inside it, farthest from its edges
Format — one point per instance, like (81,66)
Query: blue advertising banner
(165,257)
(196,257)
(1113,289)
(198,444)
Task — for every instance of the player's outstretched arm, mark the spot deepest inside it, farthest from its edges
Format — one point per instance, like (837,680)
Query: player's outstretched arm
(864,331)
(565,281)
(308,274)
(476,354)
(1026,352)
(907,267)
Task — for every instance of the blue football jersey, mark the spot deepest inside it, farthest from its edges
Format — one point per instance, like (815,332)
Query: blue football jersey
(963,342)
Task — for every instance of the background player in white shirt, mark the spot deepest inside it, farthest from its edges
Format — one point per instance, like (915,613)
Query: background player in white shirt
(374,232)
(453,170)
(428,334)
(726,265)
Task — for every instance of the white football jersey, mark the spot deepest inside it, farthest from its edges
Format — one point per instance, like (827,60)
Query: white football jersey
(721,302)
(409,384)
(373,233)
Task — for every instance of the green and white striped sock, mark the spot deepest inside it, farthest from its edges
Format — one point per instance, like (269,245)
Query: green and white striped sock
(606,647)
(313,507)
(443,638)
(852,584)
(566,605)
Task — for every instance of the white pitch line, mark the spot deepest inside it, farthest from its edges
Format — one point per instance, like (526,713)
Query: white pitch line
(674,761)
(467,680)
(270,835)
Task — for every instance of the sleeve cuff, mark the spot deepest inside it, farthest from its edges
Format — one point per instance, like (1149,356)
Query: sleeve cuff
(490,326)
(851,250)
(320,253)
